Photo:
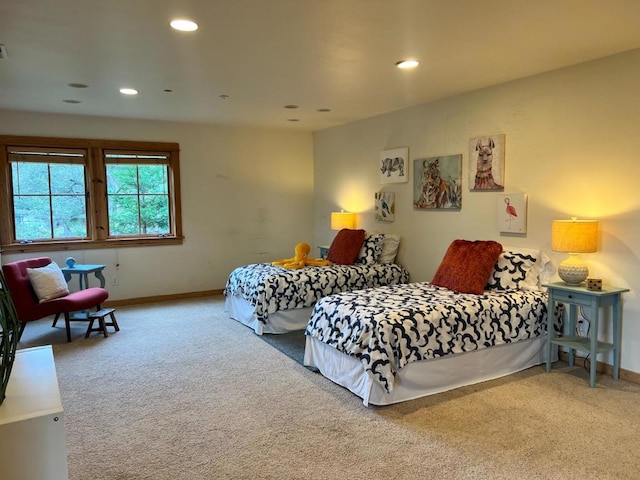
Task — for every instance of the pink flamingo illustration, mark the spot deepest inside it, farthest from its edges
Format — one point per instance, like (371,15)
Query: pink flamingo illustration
(511,211)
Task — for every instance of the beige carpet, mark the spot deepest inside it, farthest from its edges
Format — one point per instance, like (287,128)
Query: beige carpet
(183,392)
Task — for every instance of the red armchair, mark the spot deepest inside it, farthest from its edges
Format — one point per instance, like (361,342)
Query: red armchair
(26,301)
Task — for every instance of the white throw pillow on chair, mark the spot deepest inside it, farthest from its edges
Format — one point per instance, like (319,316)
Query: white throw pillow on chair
(48,282)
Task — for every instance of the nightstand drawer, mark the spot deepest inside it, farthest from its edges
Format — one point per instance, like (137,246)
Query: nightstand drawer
(576,298)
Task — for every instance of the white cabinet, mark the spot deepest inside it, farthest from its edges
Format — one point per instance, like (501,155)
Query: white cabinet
(32,437)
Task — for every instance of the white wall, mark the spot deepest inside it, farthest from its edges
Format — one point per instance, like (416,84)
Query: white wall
(247,197)
(572,143)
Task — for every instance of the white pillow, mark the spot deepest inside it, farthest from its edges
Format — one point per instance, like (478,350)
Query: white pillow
(48,282)
(390,246)
(541,272)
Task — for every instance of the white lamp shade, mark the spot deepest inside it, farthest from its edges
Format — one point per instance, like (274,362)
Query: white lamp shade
(340,220)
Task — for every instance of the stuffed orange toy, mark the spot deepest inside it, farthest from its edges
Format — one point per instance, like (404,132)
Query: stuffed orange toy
(301,260)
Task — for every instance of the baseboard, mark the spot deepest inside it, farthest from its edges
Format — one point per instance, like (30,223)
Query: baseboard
(602,367)
(161,298)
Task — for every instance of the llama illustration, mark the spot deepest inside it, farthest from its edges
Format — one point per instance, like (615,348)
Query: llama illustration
(484,175)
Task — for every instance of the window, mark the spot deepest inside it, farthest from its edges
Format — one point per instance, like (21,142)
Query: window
(48,193)
(74,193)
(137,193)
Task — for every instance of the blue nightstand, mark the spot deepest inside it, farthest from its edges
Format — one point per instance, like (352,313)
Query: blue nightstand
(581,297)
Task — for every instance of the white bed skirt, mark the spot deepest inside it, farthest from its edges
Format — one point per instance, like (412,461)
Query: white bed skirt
(280,322)
(426,377)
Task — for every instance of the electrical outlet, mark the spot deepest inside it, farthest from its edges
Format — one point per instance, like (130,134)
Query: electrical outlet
(114,281)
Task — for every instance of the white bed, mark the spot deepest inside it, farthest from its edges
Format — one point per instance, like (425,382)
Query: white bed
(271,299)
(282,321)
(274,299)
(397,343)
(426,377)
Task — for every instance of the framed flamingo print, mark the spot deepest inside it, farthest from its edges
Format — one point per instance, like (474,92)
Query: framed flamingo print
(512,213)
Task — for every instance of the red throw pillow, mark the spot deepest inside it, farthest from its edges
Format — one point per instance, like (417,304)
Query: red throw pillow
(345,247)
(467,265)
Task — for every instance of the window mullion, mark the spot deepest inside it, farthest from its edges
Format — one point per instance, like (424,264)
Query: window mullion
(51,227)
(139,202)
(98,194)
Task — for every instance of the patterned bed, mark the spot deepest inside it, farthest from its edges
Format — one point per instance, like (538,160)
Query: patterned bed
(389,327)
(400,342)
(270,289)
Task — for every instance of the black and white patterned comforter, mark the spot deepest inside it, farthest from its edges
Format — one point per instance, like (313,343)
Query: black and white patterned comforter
(272,288)
(389,327)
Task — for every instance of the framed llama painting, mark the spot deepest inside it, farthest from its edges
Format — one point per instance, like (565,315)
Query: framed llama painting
(486,163)
(394,165)
(437,182)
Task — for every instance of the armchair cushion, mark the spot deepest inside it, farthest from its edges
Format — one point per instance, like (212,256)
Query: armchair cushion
(48,282)
(81,300)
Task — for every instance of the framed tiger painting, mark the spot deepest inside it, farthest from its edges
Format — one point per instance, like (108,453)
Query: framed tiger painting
(437,182)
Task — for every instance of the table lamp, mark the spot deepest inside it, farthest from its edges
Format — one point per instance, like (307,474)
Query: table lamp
(573,237)
(340,220)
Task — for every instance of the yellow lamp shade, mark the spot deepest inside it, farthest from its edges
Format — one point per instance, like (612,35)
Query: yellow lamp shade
(340,220)
(573,237)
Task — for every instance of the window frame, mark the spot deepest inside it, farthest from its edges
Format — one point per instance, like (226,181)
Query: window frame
(97,208)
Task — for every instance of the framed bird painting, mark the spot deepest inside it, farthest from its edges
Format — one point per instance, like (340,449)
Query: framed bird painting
(512,213)
(385,206)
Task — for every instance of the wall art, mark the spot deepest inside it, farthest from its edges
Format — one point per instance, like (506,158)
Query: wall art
(394,165)
(486,163)
(512,213)
(437,182)
(385,206)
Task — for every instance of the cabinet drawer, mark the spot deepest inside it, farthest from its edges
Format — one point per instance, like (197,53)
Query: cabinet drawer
(576,298)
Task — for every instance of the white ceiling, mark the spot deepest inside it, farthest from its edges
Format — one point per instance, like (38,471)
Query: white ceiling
(264,54)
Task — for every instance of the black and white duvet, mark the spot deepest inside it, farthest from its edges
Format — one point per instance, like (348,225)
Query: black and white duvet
(386,328)
(271,288)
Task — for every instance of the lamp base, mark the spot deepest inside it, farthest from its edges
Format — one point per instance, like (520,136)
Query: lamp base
(573,271)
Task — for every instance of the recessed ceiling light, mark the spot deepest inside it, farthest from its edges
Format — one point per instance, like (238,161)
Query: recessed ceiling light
(291,107)
(71,101)
(293,119)
(184,25)
(324,109)
(407,64)
(77,85)
(224,96)
(128,91)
